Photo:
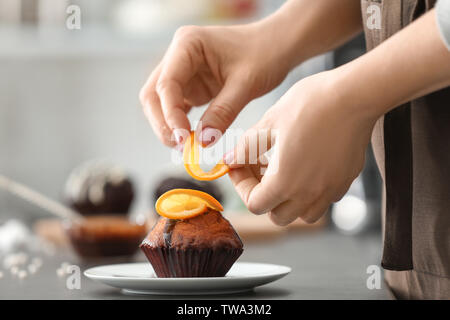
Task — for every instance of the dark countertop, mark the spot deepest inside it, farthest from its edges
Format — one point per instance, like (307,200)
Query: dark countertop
(325,265)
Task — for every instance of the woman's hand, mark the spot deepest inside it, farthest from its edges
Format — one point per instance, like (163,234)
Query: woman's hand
(320,143)
(226,66)
(323,124)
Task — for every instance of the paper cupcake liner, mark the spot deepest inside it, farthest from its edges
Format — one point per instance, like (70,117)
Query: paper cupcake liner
(188,263)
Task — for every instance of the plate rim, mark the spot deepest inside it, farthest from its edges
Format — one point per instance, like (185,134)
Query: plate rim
(285,272)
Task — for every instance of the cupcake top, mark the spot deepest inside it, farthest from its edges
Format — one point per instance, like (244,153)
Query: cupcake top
(208,230)
(97,187)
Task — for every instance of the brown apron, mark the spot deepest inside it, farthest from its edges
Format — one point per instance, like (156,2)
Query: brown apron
(412,149)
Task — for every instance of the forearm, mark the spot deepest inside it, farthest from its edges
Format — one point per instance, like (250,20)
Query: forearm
(410,64)
(302,29)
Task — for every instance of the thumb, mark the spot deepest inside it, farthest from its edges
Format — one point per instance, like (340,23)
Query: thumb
(259,192)
(223,110)
(255,142)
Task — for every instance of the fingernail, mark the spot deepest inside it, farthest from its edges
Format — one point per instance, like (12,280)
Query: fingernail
(228,157)
(208,136)
(178,136)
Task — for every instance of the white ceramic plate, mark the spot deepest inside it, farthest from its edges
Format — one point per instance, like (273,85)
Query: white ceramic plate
(139,278)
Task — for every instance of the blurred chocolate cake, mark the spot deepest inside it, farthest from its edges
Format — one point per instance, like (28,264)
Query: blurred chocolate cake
(105,236)
(99,188)
(170,183)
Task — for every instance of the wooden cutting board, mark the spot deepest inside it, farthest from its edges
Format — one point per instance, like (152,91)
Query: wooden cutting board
(259,227)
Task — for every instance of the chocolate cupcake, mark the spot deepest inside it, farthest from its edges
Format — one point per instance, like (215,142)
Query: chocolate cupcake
(203,246)
(97,187)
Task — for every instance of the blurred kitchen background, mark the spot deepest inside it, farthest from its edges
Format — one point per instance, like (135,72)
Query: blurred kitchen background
(68,96)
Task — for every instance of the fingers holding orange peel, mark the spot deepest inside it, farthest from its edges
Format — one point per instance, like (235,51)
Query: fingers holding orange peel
(191,157)
(185,204)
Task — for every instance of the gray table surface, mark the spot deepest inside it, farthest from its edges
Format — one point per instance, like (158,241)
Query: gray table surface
(325,265)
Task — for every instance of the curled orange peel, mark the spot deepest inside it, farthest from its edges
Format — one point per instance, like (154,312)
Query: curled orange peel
(191,156)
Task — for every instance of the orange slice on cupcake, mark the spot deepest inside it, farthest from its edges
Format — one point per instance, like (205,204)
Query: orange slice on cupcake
(185,203)
(191,156)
